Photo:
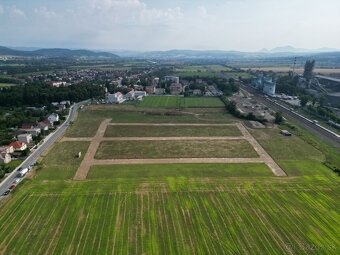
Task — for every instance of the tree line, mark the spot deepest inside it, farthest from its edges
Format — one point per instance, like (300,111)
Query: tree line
(40,95)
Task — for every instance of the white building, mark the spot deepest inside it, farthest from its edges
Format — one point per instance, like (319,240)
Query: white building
(116,98)
(5,158)
(8,149)
(140,93)
(53,118)
(25,138)
(174,79)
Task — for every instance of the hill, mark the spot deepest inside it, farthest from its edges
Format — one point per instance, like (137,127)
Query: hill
(56,53)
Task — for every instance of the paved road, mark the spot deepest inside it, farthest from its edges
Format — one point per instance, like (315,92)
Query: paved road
(48,141)
(315,129)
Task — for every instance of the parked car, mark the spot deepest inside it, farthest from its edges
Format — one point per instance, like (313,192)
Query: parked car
(16,180)
(12,186)
(6,192)
(19,169)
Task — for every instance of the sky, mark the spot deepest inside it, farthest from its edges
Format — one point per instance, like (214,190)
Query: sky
(147,25)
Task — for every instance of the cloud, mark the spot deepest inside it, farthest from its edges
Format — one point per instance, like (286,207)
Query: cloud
(1,9)
(44,12)
(16,12)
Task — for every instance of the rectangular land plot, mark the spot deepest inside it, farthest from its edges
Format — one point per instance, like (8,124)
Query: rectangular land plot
(163,171)
(171,131)
(175,149)
(225,220)
(182,102)
(62,162)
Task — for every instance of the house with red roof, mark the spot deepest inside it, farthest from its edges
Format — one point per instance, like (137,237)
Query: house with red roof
(19,146)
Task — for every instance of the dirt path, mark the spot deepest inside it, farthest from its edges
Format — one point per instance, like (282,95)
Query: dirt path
(89,160)
(91,151)
(176,160)
(267,159)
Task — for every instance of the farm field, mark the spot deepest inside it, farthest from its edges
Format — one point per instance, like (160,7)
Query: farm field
(299,70)
(172,131)
(181,102)
(257,216)
(159,172)
(175,208)
(175,149)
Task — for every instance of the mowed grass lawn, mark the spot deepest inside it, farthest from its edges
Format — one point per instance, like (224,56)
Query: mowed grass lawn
(89,120)
(172,131)
(293,154)
(183,102)
(233,216)
(61,162)
(163,171)
(175,149)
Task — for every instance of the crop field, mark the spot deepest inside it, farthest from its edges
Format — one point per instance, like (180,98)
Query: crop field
(172,131)
(162,172)
(245,216)
(181,102)
(175,149)
(173,208)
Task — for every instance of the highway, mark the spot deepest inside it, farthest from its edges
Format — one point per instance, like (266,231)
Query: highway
(318,130)
(48,141)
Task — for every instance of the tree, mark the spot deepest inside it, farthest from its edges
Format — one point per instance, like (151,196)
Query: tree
(303,100)
(278,118)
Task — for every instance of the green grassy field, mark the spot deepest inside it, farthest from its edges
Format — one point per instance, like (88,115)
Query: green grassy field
(173,131)
(247,216)
(175,149)
(89,120)
(175,208)
(61,162)
(162,172)
(182,102)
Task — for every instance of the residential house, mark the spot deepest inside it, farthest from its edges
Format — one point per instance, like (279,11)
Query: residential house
(116,98)
(19,146)
(54,117)
(140,93)
(159,91)
(33,131)
(25,138)
(7,148)
(175,89)
(43,125)
(130,95)
(5,158)
(197,92)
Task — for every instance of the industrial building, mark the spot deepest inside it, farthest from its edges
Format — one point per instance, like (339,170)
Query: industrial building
(266,84)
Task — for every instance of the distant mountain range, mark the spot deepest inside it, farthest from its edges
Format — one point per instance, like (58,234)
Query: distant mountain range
(287,52)
(279,52)
(56,53)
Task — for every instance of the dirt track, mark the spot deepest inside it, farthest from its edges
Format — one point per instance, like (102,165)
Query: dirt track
(89,160)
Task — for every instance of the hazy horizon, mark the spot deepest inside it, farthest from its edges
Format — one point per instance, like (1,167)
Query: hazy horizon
(150,25)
